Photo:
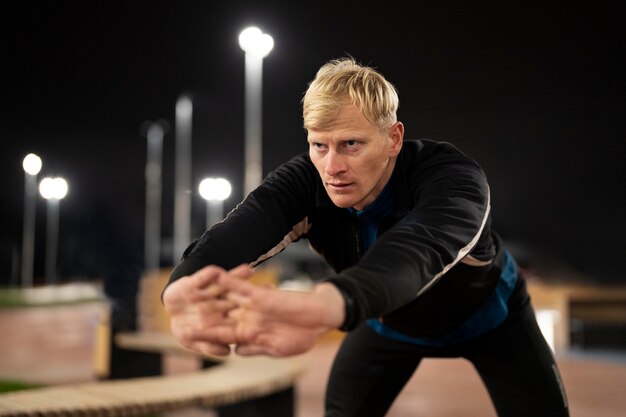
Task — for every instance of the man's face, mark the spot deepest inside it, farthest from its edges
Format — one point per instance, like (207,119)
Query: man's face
(354,158)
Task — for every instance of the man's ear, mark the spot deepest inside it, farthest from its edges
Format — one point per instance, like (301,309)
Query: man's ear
(396,135)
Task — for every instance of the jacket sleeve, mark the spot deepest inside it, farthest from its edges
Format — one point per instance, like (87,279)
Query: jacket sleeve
(268,219)
(448,214)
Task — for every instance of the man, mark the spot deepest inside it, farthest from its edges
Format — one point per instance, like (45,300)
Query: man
(419,272)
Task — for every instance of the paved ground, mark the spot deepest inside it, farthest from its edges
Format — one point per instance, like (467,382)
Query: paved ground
(56,345)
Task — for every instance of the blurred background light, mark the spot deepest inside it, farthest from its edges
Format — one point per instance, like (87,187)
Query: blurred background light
(214,191)
(255,42)
(32,164)
(53,188)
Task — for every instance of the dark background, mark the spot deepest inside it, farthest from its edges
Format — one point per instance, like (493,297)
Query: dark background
(534,93)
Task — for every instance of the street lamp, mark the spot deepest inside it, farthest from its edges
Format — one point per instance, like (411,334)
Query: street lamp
(53,190)
(154,188)
(32,166)
(182,174)
(214,191)
(256,45)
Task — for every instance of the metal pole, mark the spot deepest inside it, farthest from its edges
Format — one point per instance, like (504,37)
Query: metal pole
(182,184)
(152,236)
(253,122)
(52,239)
(214,213)
(28,237)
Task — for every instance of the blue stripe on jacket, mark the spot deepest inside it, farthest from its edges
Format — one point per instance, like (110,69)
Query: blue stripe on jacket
(488,317)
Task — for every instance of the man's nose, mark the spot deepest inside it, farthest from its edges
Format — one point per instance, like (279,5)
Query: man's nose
(335,163)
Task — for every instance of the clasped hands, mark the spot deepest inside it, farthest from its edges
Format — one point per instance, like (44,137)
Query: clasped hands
(214,310)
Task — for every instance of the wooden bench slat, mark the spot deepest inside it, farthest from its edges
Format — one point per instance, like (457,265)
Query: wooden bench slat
(236,379)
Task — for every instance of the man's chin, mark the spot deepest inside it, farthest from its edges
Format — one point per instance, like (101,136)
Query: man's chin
(342,201)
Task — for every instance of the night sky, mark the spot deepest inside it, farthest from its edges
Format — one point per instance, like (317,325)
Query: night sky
(534,94)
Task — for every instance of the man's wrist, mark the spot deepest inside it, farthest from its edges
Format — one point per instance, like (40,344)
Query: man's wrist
(334,304)
(350,319)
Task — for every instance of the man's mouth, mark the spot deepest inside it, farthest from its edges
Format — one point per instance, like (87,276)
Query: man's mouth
(338,185)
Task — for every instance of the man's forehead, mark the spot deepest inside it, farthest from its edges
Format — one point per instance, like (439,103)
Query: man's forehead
(330,135)
(344,128)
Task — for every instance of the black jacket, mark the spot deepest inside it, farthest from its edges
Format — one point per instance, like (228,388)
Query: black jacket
(433,264)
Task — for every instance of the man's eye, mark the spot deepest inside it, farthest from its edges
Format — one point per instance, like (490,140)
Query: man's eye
(351,143)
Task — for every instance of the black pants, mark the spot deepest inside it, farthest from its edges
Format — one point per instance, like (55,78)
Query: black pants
(514,361)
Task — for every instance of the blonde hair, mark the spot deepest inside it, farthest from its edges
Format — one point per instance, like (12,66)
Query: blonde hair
(344,80)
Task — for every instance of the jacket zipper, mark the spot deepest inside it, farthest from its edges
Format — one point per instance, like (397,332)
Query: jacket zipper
(355,228)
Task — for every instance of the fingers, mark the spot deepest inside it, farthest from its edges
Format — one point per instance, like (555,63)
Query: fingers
(251,350)
(216,350)
(203,284)
(207,282)
(198,336)
(211,311)
(205,277)
(270,345)
(240,286)
(216,309)
(242,271)
(237,298)
(209,349)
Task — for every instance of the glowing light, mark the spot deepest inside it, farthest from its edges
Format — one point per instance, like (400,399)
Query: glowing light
(255,42)
(53,188)
(32,164)
(215,189)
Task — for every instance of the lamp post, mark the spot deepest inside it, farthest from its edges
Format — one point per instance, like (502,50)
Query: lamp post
(182,174)
(32,166)
(154,188)
(214,191)
(256,45)
(53,190)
